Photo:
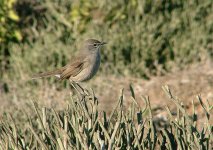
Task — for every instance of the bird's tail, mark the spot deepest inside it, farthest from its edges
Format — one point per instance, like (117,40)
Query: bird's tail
(56,73)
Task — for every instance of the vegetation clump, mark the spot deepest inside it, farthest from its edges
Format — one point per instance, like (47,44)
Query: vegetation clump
(83,126)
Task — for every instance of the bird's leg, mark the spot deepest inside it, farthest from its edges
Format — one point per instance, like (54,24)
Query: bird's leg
(80,90)
(84,90)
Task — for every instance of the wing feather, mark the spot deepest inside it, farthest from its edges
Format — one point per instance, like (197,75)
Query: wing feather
(72,70)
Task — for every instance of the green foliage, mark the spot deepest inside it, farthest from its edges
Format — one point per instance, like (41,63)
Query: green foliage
(83,126)
(8,21)
(9,31)
(144,37)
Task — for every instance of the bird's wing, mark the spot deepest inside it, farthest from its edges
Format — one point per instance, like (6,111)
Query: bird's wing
(73,68)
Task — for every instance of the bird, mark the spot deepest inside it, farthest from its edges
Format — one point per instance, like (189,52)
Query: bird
(83,67)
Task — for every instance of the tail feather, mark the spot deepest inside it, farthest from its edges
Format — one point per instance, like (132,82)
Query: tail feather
(47,74)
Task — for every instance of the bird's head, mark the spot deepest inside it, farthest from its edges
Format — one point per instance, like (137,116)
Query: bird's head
(93,45)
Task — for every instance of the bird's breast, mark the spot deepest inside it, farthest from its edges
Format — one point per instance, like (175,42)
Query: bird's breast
(94,66)
(91,68)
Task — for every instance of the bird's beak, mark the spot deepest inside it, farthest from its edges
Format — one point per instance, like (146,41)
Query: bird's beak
(103,43)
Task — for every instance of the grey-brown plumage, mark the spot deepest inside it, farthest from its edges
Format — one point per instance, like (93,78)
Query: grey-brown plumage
(83,67)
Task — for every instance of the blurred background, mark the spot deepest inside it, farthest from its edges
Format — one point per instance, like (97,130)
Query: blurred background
(150,43)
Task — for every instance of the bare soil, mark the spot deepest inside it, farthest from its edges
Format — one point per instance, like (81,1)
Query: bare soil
(186,85)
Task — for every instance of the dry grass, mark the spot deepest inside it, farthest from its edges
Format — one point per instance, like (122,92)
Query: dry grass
(83,126)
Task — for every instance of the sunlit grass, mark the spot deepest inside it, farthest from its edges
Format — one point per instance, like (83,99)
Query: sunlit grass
(83,126)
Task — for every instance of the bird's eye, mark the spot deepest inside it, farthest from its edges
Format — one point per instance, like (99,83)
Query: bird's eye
(95,45)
